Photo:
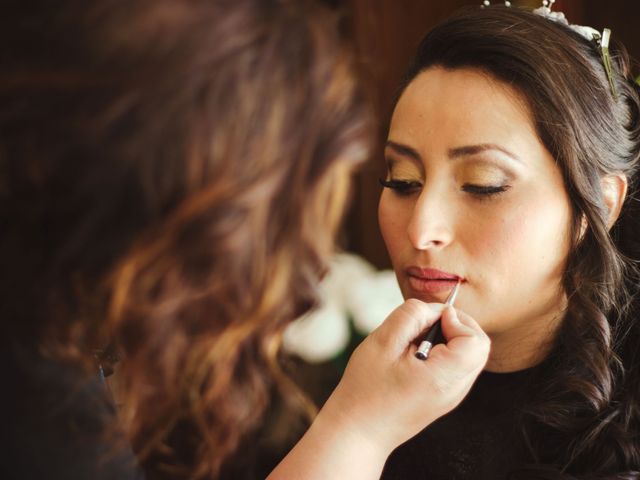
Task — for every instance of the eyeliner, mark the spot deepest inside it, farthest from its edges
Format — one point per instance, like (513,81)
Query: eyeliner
(428,341)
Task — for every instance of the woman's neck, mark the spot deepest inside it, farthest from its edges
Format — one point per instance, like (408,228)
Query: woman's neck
(525,346)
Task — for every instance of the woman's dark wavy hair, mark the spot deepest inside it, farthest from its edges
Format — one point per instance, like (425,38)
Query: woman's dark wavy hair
(583,420)
(172,175)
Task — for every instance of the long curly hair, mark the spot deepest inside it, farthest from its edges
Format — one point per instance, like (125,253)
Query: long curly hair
(583,419)
(172,176)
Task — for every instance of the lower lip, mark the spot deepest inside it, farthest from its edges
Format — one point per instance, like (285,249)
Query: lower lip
(431,286)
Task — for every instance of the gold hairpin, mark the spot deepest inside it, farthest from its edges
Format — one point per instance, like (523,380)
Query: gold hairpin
(606,60)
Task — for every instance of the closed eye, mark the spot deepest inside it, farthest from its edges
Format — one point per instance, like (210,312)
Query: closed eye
(401,187)
(485,190)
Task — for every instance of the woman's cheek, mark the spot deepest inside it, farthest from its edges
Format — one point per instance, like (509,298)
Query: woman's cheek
(391,218)
(492,241)
(496,250)
(522,248)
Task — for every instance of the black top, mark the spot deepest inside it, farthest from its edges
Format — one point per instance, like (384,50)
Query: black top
(54,420)
(479,440)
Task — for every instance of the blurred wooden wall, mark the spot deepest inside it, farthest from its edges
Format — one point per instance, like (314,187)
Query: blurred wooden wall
(621,16)
(387,33)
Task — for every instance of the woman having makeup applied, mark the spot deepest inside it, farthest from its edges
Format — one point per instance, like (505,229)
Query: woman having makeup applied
(512,157)
(172,175)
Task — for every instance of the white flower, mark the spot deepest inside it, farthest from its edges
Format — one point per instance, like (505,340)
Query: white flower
(352,287)
(345,271)
(553,16)
(589,33)
(320,335)
(373,299)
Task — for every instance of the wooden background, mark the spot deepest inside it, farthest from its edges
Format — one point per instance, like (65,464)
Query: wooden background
(387,33)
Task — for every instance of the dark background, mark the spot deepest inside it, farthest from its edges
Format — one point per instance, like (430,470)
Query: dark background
(387,33)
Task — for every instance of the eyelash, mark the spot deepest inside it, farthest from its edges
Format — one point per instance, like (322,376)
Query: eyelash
(404,188)
(485,190)
(401,187)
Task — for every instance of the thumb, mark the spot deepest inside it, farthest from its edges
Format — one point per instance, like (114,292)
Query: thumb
(467,345)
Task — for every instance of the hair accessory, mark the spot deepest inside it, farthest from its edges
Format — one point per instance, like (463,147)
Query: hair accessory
(545,11)
(591,34)
(547,4)
(487,3)
(606,60)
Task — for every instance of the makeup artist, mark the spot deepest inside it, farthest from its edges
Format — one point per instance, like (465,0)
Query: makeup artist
(172,175)
(512,161)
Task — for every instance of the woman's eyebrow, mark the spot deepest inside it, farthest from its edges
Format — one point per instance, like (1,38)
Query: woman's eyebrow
(454,153)
(404,150)
(483,147)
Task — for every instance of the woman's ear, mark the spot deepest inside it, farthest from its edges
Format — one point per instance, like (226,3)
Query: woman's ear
(614,191)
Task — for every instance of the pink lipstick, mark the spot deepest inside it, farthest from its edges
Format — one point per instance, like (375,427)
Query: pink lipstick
(431,280)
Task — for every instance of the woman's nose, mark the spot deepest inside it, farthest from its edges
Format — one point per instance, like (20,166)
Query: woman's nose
(430,226)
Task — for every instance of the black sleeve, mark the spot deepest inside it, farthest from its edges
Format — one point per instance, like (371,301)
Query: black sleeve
(55,425)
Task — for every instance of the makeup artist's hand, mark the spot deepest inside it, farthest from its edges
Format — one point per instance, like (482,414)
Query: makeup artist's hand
(387,396)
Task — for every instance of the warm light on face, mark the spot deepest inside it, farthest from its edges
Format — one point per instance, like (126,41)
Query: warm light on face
(473,192)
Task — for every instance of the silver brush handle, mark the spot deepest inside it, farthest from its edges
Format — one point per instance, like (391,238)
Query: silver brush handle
(423,350)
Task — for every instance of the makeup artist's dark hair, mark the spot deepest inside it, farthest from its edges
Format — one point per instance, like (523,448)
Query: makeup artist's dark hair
(584,418)
(172,175)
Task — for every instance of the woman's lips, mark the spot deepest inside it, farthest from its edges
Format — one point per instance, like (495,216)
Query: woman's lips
(431,280)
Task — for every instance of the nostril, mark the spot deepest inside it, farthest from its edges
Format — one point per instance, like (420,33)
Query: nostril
(426,244)
(429,230)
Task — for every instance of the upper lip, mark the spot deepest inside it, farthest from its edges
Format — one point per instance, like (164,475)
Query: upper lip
(432,274)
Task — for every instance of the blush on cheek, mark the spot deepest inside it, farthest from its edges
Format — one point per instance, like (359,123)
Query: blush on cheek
(499,252)
(529,248)
(496,240)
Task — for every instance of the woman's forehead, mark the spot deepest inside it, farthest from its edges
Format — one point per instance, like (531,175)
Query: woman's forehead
(460,107)
(465,92)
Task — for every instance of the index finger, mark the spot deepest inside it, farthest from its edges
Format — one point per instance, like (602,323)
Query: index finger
(406,323)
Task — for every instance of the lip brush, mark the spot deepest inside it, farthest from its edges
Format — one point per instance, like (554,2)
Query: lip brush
(427,342)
